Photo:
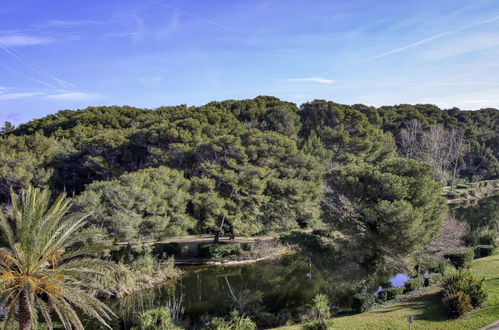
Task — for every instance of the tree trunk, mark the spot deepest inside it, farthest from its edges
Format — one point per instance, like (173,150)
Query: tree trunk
(24,312)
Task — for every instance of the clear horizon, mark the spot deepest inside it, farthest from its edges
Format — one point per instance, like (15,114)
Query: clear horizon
(58,55)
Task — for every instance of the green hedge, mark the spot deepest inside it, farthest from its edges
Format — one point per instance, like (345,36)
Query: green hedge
(308,241)
(218,250)
(461,259)
(362,302)
(482,251)
(390,293)
(430,279)
(413,284)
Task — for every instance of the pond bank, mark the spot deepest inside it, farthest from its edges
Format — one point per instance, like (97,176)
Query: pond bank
(426,308)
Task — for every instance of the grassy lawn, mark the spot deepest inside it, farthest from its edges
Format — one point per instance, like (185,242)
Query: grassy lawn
(427,310)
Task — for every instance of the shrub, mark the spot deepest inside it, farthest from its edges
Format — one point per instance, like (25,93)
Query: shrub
(488,237)
(362,302)
(308,241)
(452,194)
(482,251)
(218,250)
(467,282)
(456,303)
(235,322)
(266,320)
(156,319)
(146,264)
(319,325)
(322,232)
(413,284)
(390,293)
(163,250)
(431,279)
(320,307)
(461,259)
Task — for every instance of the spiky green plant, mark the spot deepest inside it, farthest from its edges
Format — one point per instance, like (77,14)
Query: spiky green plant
(42,271)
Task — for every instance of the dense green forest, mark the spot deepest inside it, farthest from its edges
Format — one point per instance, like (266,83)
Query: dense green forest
(255,166)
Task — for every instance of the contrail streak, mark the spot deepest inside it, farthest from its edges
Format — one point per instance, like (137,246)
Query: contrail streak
(20,57)
(437,36)
(193,15)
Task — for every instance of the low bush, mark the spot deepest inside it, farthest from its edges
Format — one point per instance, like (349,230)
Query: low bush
(266,320)
(235,322)
(362,302)
(413,284)
(319,325)
(431,279)
(456,303)
(482,251)
(461,259)
(145,264)
(164,250)
(307,241)
(466,282)
(320,307)
(218,250)
(156,319)
(488,237)
(390,293)
(322,232)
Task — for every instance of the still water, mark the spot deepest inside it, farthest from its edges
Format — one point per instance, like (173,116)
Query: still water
(278,286)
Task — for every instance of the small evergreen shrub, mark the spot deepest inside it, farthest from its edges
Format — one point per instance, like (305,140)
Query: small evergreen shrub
(235,322)
(482,251)
(218,250)
(413,284)
(320,307)
(322,232)
(461,259)
(362,302)
(390,293)
(431,279)
(467,282)
(456,303)
(308,241)
(266,320)
(156,319)
(488,237)
(163,250)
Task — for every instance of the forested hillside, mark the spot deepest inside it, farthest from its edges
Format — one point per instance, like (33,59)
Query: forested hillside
(254,166)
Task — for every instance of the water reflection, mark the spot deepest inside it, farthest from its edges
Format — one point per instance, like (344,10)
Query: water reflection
(275,286)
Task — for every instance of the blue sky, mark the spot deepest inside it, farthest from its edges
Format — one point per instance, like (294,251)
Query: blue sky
(71,54)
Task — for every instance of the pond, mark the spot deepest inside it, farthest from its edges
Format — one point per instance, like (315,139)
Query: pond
(279,286)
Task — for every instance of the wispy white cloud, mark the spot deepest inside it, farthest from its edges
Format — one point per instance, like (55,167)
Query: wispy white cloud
(200,18)
(312,79)
(68,23)
(15,96)
(23,59)
(149,80)
(472,100)
(465,45)
(18,39)
(434,37)
(74,96)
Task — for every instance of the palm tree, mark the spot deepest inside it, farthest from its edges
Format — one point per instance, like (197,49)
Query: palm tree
(43,269)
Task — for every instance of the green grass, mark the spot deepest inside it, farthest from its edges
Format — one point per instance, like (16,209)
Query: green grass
(426,308)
